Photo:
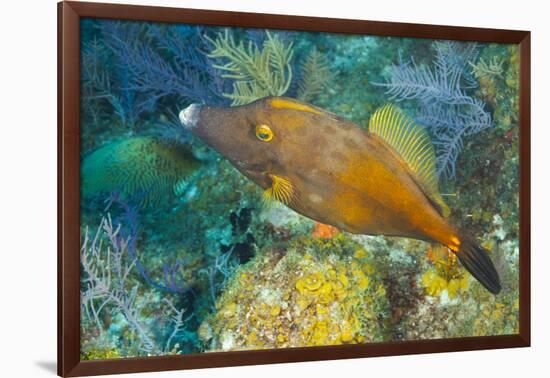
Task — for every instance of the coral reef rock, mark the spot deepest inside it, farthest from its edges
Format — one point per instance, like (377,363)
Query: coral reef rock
(321,292)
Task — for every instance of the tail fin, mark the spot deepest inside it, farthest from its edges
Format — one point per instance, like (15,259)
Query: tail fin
(476,260)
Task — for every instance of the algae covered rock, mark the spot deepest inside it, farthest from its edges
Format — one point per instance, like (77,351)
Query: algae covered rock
(455,305)
(317,292)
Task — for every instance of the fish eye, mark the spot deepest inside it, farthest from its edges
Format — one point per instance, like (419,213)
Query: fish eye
(264,133)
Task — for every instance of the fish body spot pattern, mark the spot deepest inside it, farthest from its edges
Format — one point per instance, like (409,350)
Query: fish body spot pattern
(380,181)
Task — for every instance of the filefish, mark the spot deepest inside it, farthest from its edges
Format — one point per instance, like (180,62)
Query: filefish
(380,181)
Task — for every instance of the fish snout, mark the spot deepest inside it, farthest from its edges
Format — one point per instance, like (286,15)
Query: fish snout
(189,116)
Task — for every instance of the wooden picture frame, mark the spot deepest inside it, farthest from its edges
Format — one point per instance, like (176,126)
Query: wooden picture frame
(69,16)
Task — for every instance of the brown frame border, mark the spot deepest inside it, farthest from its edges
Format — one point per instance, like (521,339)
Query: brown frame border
(69,14)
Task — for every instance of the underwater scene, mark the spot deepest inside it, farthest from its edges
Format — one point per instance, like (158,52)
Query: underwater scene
(258,189)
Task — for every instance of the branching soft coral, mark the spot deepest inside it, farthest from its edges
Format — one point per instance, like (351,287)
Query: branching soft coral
(257,72)
(444,106)
(102,85)
(315,76)
(164,61)
(107,287)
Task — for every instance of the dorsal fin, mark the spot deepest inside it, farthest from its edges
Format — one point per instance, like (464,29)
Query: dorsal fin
(289,103)
(415,147)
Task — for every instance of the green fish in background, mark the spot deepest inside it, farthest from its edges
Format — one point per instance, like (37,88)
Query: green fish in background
(377,182)
(138,167)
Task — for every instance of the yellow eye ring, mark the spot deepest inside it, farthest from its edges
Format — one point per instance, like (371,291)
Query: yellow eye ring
(264,133)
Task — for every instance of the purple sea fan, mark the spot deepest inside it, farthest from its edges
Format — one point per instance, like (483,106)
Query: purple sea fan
(164,61)
(102,83)
(445,107)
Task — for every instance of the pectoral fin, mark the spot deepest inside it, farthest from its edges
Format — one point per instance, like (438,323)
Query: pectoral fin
(280,191)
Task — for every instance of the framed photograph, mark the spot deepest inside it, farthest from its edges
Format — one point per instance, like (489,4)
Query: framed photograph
(239,188)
